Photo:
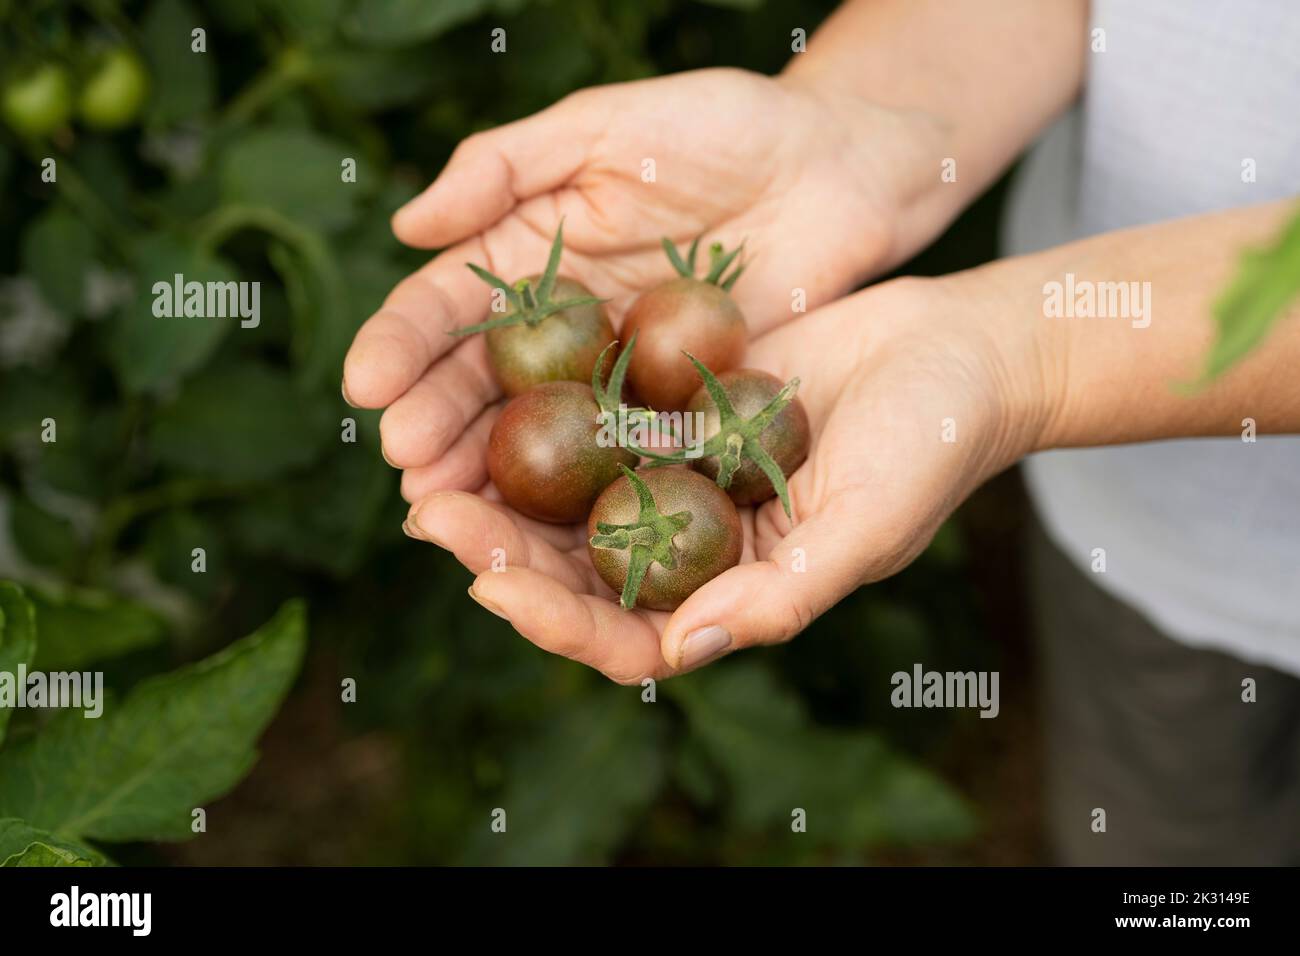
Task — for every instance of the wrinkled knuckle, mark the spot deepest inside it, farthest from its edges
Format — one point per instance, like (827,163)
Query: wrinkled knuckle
(798,617)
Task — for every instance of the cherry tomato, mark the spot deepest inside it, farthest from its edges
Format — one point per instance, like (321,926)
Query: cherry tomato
(659,534)
(551,330)
(562,347)
(686,314)
(786,438)
(115,92)
(38,103)
(682,315)
(545,456)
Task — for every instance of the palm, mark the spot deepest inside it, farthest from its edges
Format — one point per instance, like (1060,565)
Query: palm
(877,482)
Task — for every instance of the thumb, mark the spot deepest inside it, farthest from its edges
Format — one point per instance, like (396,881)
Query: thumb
(491,172)
(770,601)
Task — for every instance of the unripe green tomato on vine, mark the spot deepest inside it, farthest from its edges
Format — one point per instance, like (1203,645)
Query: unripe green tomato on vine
(115,92)
(38,102)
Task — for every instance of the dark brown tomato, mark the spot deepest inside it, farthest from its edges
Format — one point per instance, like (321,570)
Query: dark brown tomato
(682,315)
(563,347)
(707,546)
(544,457)
(786,439)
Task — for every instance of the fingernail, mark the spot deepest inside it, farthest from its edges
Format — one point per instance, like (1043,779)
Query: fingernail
(414,529)
(484,602)
(703,645)
(343,387)
(388,461)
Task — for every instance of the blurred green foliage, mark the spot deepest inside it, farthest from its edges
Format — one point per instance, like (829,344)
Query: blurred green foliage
(198,434)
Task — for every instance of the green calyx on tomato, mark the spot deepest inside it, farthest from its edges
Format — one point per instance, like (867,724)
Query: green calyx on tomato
(528,305)
(673,514)
(719,262)
(648,539)
(609,394)
(739,438)
(552,330)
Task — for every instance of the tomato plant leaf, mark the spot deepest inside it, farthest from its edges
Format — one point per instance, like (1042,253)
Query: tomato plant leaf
(57,251)
(176,741)
(1267,281)
(856,790)
(240,421)
(401,22)
(80,627)
(23,845)
(184,83)
(149,351)
(17,638)
(576,788)
(297,173)
(325,519)
(44,539)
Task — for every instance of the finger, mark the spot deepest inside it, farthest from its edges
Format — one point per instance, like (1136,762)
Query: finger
(490,172)
(462,468)
(772,600)
(622,645)
(410,331)
(483,536)
(431,416)
(568,538)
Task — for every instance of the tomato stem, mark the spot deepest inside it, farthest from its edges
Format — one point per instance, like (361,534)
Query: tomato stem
(719,262)
(738,438)
(531,306)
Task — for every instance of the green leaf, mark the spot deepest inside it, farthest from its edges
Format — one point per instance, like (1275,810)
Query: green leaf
(402,22)
(240,421)
(855,790)
(175,742)
(151,352)
(1267,281)
(308,19)
(298,174)
(28,396)
(374,80)
(57,251)
(17,638)
(22,845)
(183,82)
(89,447)
(44,539)
(168,545)
(81,627)
(326,519)
(743,5)
(575,789)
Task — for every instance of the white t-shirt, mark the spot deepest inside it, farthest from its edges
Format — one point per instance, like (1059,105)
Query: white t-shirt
(1188,99)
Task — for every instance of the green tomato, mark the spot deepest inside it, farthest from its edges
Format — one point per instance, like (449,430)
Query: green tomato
(37,104)
(115,92)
